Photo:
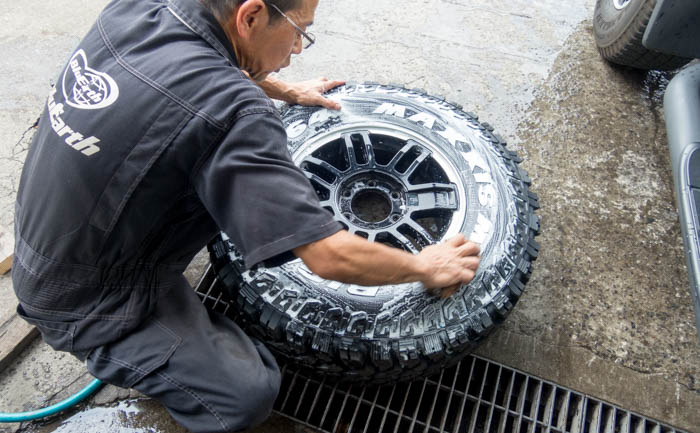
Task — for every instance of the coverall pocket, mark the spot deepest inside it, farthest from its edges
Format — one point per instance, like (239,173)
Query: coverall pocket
(126,361)
(56,334)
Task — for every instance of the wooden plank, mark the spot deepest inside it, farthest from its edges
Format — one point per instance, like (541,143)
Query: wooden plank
(7,246)
(15,335)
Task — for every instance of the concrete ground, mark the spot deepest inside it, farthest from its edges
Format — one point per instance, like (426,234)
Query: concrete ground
(608,310)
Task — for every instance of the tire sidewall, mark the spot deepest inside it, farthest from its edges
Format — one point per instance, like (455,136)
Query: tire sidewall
(609,23)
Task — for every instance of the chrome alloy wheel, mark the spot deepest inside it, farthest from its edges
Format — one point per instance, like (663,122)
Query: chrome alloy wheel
(387,185)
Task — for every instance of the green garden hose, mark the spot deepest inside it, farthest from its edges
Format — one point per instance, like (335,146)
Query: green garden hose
(53,409)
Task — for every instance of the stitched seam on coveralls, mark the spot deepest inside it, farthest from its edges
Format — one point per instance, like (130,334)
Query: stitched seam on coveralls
(196,397)
(184,104)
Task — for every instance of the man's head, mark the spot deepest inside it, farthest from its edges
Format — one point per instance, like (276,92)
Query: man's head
(222,9)
(262,38)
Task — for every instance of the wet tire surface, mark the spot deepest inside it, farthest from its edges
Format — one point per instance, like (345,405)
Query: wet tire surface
(406,169)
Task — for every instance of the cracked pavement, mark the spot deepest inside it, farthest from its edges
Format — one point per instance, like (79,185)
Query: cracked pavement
(607,311)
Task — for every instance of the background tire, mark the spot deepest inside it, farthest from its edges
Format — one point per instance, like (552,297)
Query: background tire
(619,27)
(406,169)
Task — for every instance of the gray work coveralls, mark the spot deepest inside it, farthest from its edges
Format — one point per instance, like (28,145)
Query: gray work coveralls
(150,143)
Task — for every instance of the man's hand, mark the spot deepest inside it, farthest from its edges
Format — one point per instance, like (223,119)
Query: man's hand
(449,265)
(309,93)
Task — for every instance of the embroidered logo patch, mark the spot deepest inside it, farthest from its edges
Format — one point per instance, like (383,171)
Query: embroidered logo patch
(86,88)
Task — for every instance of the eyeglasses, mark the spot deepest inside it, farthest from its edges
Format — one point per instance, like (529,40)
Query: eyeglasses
(310,38)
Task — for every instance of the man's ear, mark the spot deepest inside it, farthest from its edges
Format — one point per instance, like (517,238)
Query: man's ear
(250,16)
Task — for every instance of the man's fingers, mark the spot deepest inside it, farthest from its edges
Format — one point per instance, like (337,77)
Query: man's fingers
(469,249)
(317,99)
(456,241)
(468,275)
(327,84)
(330,104)
(471,262)
(330,85)
(322,85)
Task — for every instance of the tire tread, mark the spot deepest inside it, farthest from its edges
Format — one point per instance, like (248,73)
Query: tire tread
(628,49)
(384,359)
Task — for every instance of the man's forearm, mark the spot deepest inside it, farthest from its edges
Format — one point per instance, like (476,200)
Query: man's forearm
(354,260)
(275,88)
(351,259)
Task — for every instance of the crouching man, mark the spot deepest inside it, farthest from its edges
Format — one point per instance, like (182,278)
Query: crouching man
(158,135)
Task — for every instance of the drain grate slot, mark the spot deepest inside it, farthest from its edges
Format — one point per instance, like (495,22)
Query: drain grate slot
(502,401)
(474,396)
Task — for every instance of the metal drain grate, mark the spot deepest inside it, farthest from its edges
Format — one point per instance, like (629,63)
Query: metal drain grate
(475,396)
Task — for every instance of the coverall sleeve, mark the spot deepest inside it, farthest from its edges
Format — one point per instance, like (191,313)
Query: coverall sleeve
(256,194)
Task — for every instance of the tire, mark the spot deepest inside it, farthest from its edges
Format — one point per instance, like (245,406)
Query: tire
(619,27)
(406,169)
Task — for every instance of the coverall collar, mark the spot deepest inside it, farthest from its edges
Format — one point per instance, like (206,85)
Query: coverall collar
(200,21)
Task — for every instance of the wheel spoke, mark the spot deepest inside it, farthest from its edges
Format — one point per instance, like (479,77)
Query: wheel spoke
(403,240)
(319,181)
(415,164)
(350,150)
(420,231)
(400,154)
(432,196)
(324,165)
(431,187)
(367,145)
(369,149)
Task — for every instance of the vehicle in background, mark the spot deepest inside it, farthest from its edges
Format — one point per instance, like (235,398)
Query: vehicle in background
(665,34)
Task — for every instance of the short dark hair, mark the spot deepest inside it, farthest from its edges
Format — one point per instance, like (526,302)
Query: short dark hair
(222,9)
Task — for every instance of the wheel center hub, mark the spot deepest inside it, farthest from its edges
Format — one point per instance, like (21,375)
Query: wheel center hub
(371,206)
(371,200)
